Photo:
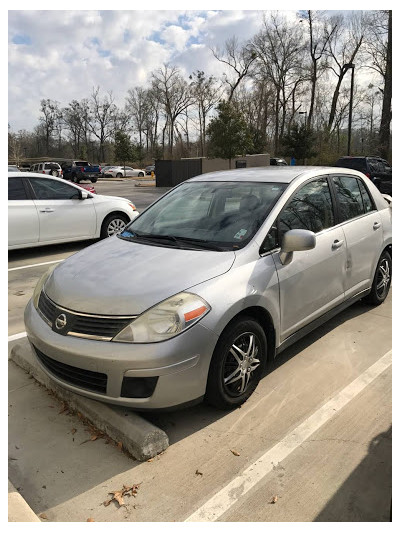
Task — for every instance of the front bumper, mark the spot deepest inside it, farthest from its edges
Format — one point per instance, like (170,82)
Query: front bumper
(181,364)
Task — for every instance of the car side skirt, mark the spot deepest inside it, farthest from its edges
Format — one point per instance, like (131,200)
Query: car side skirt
(320,320)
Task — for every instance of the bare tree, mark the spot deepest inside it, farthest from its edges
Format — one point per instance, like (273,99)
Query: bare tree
(103,112)
(320,35)
(280,48)
(50,114)
(207,94)
(175,95)
(239,57)
(343,47)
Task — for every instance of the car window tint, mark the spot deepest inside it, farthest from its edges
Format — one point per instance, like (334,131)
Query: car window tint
(310,208)
(355,163)
(368,203)
(48,189)
(350,202)
(16,189)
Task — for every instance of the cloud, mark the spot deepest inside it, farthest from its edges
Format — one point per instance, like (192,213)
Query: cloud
(62,55)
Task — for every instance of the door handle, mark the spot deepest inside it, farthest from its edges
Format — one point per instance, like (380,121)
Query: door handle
(47,210)
(336,244)
(376,225)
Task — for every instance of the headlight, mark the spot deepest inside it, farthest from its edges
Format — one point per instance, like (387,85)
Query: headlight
(40,284)
(165,320)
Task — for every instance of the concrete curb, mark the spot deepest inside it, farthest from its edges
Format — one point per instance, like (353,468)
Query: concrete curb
(139,437)
(18,509)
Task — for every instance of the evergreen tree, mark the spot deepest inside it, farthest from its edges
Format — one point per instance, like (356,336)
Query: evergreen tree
(299,142)
(228,133)
(122,147)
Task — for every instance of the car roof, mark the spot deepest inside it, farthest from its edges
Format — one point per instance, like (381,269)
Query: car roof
(284,174)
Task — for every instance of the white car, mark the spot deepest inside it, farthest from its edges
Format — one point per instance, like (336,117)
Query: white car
(46,210)
(48,167)
(120,172)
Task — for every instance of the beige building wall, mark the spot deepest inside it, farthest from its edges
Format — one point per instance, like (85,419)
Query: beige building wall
(213,165)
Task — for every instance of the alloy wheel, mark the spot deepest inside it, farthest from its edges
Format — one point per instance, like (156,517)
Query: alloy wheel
(383,278)
(240,363)
(115,226)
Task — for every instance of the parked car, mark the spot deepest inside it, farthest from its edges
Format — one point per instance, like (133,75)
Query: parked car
(48,167)
(120,172)
(47,210)
(88,187)
(13,168)
(77,171)
(209,283)
(149,169)
(104,170)
(277,161)
(374,167)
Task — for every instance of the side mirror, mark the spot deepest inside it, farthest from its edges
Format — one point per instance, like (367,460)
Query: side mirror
(296,240)
(84,194)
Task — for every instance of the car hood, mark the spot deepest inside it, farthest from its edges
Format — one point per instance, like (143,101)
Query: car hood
(118,277)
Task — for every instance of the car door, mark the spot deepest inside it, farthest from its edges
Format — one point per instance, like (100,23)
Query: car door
(129,171)
(63,215)
(363,232)
(23,218)
(313,282)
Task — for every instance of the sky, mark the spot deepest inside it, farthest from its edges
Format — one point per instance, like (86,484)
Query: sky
(63,54)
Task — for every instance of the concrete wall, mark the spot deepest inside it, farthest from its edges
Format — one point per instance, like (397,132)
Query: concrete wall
(256,160)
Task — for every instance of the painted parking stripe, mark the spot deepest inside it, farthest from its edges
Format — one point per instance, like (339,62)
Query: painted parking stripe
(221,502)
(35,265)
(17,336)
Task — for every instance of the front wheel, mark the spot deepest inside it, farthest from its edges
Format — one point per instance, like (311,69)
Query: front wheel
(382,279)
(140,175)
(119,175)
(237,364)
(113,224)
(94,180)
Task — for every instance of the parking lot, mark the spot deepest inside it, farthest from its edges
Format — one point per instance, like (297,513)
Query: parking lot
(313,443)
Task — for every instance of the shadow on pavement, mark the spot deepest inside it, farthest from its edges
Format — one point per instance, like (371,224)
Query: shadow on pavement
(365,496)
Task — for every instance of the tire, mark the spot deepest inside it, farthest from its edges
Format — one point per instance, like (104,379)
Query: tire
(140,175)
(54,173)
(119,175)
(382,280)
(73,178)
(94,180)
(229,383)
(113,224)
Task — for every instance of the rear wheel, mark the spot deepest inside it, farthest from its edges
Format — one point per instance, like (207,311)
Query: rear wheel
(140,175)
(382,279)
(113,224)
(237,364)
(93,180)
(119,175)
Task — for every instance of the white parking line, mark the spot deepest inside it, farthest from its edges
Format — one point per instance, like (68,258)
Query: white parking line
(36,265)
(17,336)
(216,506)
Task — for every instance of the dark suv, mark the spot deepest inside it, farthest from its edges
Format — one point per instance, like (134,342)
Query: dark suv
(374,167)
(279,161)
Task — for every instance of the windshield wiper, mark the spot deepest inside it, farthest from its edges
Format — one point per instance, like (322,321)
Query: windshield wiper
(134,235)
(201,243)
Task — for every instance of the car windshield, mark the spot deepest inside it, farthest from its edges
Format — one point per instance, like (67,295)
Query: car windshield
(213,215)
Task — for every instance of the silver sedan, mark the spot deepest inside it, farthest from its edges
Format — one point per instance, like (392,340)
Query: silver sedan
(210,283)
(120,172)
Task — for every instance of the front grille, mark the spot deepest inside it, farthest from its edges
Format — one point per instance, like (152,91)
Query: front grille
(97,327)
(85,379)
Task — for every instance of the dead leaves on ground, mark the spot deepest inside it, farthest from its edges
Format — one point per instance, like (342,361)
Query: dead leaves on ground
(43,516)
(118,495)
(274,499)
(235,453)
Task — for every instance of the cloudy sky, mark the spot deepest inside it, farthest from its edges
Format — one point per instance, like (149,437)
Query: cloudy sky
(62,55)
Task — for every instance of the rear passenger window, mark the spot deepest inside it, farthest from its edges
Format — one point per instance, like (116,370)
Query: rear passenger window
(368,203)
(311,208)
(350,201)
(16,189)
